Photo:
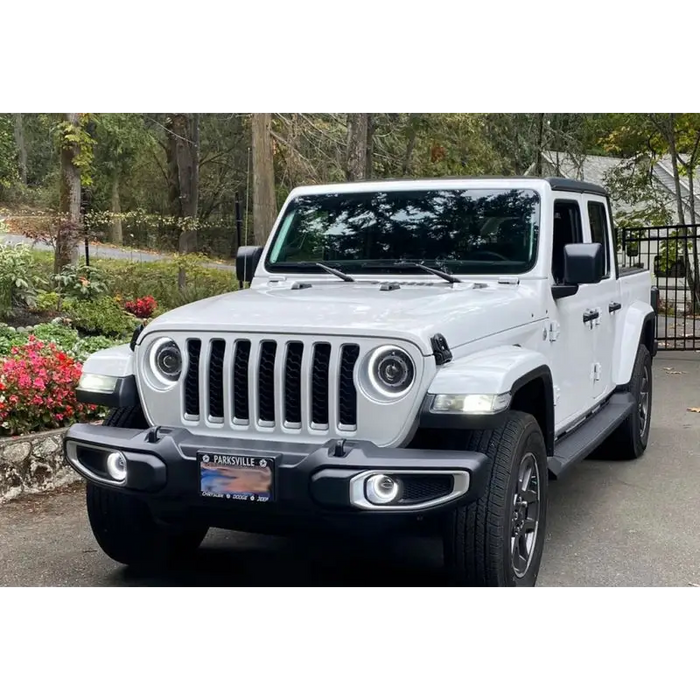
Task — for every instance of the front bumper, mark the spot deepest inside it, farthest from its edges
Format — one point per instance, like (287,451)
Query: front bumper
(308,480)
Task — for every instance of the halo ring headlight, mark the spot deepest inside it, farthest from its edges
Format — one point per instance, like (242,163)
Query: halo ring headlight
(165,360)
(390,371)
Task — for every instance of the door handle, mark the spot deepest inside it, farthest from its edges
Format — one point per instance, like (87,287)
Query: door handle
(614,306)
(591,316)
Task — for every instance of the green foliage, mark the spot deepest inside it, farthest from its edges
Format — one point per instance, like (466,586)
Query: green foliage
(80,282)
(48,301)
(64,337)
(18,282)
(78,137)
(8,155)
(101,316)
(131,280)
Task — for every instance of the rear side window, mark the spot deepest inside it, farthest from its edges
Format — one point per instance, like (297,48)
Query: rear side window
(599,230)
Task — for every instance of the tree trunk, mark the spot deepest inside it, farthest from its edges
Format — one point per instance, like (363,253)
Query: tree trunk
(21,148)
(369,151)
(264,200)
(540,144)
(66,252)
(115,230)
(413,126)
(183,175)
(356,155)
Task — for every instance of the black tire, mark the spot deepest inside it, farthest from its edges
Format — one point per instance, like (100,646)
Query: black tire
(629,441)
(124,526)
(478,537)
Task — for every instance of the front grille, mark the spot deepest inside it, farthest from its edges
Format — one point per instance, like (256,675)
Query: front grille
(268,384)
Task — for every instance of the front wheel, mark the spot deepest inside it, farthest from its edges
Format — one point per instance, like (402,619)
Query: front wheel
(498,540)
(124,526)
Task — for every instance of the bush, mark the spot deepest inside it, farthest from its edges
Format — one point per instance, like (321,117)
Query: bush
(144,307)
(37,390)
(48,301)
(132,280)
(81,282)
(18,277)
(63,337)
(101,316)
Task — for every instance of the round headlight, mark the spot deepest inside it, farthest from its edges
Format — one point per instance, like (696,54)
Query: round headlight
(166,360)
(391,371)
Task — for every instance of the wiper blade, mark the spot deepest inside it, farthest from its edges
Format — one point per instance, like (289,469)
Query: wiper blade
(336,272)
(407,263)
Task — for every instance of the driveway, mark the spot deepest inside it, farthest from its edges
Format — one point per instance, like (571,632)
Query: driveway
(624,524)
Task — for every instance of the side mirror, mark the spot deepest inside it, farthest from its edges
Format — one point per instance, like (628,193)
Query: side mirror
(247,259)
(584,263)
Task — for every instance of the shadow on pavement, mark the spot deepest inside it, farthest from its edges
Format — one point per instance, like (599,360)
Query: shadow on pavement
(232,559)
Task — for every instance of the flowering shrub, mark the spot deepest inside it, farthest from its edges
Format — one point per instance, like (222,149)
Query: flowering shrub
(142,308)
(37,389)
(81,281)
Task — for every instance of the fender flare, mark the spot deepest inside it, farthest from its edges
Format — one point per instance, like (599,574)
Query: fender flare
(498,370)
(637,328)
(115,362)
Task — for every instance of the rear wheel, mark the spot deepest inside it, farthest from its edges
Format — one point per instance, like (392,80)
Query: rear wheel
(630,439)
(498,540)
(124,526)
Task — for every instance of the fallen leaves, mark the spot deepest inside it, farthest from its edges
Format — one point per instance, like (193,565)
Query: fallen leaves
(694,409)
(670,370)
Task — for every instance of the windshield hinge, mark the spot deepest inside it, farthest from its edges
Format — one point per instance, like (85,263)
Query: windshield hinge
(441,350)
(508,280)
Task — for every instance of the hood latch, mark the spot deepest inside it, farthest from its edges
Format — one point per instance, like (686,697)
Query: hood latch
(441,350)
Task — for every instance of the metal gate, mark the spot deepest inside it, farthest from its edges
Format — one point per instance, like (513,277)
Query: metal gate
(669,253)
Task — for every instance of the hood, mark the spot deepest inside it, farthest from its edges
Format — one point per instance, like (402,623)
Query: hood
(414,312)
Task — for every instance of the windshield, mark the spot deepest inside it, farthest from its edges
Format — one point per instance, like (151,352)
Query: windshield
(471,231)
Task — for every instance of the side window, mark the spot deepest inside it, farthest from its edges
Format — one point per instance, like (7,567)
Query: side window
(567,229)
(599,231)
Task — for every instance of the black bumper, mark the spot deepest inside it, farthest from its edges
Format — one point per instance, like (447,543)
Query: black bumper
(309,480)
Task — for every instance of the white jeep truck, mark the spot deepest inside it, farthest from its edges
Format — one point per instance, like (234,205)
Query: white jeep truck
(408,354)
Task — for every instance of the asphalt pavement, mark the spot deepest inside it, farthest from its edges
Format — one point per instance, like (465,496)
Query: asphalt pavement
(610,524)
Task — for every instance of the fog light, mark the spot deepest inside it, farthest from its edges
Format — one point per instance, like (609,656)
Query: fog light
(116,466)
(381,489)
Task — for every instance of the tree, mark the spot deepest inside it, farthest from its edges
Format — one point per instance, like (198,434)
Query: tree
(357,150)
(66,251)
(264,201)
(119,138)
(21,148)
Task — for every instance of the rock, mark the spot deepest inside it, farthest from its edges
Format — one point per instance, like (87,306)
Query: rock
(32,464)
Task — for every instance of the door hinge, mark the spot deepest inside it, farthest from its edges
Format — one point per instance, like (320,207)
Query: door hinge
(597,371)
(553,331)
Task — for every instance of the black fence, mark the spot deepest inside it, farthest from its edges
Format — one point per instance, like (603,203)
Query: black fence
(670,253)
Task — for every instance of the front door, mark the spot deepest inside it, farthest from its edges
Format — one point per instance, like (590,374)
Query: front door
(604,297)
(573,340)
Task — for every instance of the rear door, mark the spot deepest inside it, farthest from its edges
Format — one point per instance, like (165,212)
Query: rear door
(604,297)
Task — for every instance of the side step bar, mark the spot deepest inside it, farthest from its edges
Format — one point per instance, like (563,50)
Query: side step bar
(575,447)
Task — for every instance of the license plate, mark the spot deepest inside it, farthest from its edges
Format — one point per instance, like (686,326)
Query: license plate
(236,477)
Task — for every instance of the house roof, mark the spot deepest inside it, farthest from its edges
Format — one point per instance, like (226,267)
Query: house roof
(596,169)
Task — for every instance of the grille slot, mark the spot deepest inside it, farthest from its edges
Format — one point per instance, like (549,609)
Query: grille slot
(419,488)
(216,380)
(241,409)
(258,384)
(194,348)
(319,386)
(266,382)
(292,384)
(347,393)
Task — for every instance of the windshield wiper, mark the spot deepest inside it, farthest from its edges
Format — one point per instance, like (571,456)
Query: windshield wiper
(336,272)
(407,263)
